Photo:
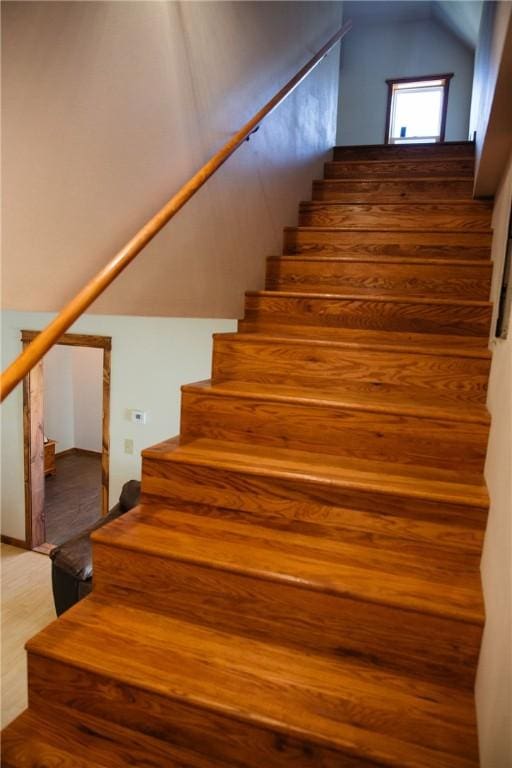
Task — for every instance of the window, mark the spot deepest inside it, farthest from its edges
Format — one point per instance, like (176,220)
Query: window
(417,109)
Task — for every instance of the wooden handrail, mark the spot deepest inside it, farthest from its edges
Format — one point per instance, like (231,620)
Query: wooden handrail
(52,333)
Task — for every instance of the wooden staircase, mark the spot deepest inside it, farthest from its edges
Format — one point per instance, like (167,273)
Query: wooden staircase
(300,585)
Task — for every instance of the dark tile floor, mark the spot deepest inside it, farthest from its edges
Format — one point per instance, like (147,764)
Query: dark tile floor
(72,496)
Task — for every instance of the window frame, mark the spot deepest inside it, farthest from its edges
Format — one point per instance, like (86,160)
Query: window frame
(392,82)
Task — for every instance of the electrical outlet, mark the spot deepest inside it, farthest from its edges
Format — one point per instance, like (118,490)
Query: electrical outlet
(128,446)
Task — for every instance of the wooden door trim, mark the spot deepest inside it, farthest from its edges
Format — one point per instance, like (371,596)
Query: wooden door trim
(33,511)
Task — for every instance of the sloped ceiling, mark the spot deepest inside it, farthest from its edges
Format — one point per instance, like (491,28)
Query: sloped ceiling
(460,17)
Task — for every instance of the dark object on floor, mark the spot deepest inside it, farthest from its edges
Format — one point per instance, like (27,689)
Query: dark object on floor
(72,561)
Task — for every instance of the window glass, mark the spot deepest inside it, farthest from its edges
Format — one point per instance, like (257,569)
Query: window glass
(416,113)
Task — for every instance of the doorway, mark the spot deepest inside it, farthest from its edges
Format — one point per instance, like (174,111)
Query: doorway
(48,460)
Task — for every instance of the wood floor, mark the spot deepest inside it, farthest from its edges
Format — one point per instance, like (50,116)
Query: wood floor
(300,585)
(73,496)
(27,607)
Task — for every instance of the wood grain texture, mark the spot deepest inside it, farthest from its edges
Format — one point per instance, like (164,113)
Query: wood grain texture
(330,702)
(398,167)
(453,216)
(396,277)
(436,316)
(223,574)
(338,427)
(300,585)
(34,439)
(289,485)
(344,367)
(393,190)
(59,737)
(452,149)
(421,244)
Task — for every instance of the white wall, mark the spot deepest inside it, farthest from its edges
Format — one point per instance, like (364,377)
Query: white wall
(151,359)
(374,52)
(87,369)
(494,680)
(73,397)
(109,107)
(58,399)
(491,105)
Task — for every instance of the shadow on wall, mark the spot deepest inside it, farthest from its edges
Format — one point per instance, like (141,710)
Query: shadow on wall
(99,142)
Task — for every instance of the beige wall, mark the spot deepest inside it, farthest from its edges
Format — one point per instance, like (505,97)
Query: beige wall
(494,681)
(108,107)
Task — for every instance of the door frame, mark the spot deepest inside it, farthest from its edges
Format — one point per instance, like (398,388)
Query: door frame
(33,439)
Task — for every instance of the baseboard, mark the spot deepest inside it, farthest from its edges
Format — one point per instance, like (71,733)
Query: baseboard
(14,542)
(65,453)
(77,452)
(84,452)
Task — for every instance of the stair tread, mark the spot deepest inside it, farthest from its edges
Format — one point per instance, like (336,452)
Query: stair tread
(397,160)
(311,256)
(471,346)
(387,230)
(364,340)
(374,297)
(382,571)
(434,146)
(401,179)
(422,405)
(383,477)
(421,204)
(357,709)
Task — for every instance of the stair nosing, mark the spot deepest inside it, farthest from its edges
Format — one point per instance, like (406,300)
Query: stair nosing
(399,230)
(243,714)
(430,412)
(403,160)
(484,354)
(472,202)
(406,260)
(400,179)
(308,584)
(392,299)
(226,463)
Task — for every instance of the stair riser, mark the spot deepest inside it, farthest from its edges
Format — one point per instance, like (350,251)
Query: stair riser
(286,614)
(460,166)
(61,737)
(392,191)
(391,151)
(329,506)
(335,430)
(408,216)
(357,370)
(370,278)
(401,316)
(217,736)
(425,245)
